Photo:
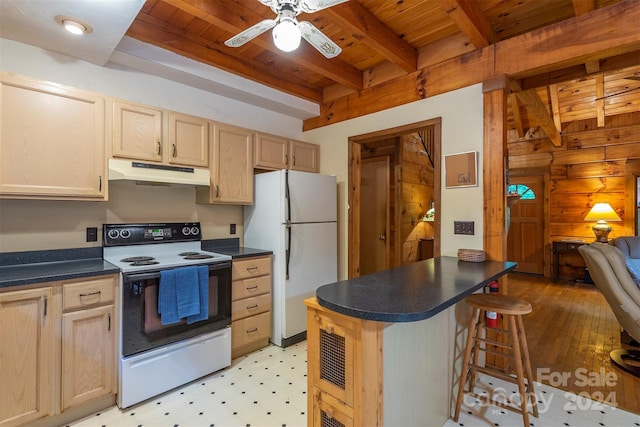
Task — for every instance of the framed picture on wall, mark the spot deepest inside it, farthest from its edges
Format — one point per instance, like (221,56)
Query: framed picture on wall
(461,170)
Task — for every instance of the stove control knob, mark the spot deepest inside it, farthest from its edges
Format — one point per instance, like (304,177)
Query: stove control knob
(195,231)
(113,233)
(125,234)
(186,231)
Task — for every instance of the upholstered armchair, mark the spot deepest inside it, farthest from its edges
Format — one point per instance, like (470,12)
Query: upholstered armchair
(608,269)
(630,248)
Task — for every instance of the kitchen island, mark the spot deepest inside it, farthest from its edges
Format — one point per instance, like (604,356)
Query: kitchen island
(385,349)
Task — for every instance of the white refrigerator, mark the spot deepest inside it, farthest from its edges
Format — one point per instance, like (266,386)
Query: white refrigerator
(294,215)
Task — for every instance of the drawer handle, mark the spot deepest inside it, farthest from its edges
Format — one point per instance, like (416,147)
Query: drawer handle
(250,288)
(250,331)
(252,307)
(90,294)
(252,268)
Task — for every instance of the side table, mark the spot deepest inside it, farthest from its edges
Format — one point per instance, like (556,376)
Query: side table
(564,247)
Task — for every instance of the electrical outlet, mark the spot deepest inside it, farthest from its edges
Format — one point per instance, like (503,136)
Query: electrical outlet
(463,227)
(92,234)
(232,229)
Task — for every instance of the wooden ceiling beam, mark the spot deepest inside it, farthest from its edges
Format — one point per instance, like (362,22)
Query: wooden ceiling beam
(605,32)
(555,105)
(364,26)
(471,20)
(517,117)
(535,107)
(581,7)
(234,17)
(150,30)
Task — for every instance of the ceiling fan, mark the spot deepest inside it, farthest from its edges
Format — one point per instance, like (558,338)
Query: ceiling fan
(286,28)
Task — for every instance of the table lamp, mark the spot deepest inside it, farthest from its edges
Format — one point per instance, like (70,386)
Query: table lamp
(602,212)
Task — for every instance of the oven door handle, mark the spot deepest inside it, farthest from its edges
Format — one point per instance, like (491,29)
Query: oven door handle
(129,278)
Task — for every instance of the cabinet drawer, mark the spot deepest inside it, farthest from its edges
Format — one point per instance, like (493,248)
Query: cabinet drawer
(251,287)
(90,292)
(250,329)
(250,306)
(252,267)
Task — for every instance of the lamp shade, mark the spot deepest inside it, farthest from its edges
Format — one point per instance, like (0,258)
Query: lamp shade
(602,211)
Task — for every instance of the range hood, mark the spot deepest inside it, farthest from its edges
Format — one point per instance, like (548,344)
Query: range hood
(153,174)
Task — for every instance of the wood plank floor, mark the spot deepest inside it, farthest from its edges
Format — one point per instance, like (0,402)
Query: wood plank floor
(570,334)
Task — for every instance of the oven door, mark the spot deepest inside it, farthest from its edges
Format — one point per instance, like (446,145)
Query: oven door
(142,328)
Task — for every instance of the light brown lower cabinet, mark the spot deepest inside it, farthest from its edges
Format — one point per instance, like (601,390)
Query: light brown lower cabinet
(368,373)
(26,355)
(57,351)
(251,304)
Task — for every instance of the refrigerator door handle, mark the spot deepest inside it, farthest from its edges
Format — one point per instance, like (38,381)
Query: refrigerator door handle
(288,250)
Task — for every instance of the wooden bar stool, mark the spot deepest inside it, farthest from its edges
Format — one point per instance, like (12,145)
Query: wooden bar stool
(514,349)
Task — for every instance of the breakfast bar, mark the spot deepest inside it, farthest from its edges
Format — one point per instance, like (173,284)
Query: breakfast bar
(383,349)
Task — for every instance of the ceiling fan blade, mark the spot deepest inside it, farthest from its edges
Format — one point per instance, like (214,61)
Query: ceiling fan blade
(310,6)
(317,39)
(250,33)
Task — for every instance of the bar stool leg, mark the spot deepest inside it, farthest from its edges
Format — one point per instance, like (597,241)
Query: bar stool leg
(477,347)
(527,366)
(517,355)
(465,361)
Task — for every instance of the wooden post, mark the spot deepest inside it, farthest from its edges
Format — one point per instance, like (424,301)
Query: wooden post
(494,157)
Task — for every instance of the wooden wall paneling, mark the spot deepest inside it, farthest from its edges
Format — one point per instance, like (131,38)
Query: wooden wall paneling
(622,151)
(632,172)
(595,169)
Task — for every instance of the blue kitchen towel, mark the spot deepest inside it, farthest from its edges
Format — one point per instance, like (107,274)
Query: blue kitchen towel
(167,302)
(203,284)
(187,291)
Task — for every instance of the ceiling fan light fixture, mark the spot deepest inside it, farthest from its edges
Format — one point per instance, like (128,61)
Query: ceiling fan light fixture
(286,35)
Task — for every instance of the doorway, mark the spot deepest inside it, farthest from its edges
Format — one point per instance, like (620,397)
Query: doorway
(400,219)
(525,238)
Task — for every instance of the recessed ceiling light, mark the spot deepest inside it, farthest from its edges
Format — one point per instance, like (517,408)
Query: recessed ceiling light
(73,25)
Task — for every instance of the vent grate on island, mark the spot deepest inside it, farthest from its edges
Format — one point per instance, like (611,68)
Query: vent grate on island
(332,358)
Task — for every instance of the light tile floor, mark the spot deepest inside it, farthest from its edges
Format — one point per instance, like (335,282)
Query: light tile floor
(268,388)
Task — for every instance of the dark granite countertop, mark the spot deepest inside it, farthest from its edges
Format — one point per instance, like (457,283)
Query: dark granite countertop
(412,292)
(23,268)
(232,248)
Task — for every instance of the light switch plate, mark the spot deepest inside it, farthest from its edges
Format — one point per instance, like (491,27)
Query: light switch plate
(463,227)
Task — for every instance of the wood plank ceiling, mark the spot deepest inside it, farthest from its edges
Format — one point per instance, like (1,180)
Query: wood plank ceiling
(388,47)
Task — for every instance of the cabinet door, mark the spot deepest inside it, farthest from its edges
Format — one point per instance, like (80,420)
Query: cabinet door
(51,140)
(330,348)
(26,356)
(137,132)
(88,354)
(188,140)
(232,165)
(325,410)
(271,152)
(304,156)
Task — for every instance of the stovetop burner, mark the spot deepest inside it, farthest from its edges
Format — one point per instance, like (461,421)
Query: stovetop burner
(188,253)
(198,256)
(135,259)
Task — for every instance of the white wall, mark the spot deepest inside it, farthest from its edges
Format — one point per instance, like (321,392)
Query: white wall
(462,130)
(36,224)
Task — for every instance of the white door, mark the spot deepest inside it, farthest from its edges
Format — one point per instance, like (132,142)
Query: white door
(312,197)
(313,262)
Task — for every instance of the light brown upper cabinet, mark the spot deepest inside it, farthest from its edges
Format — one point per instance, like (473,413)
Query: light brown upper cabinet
(51,141)
(231,167)
(150,134)
(275,152)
